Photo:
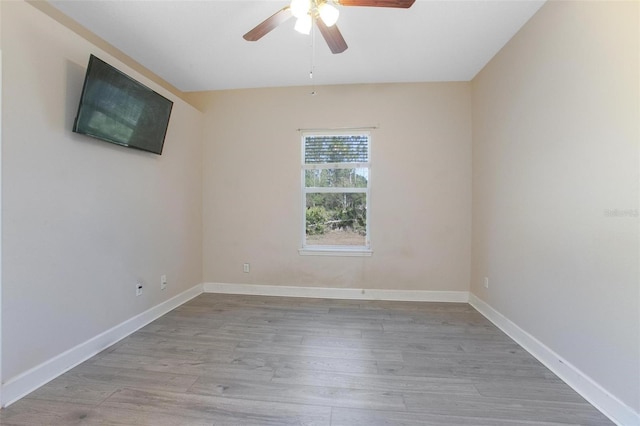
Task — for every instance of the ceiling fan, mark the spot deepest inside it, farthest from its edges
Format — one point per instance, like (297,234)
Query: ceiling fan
(323,13)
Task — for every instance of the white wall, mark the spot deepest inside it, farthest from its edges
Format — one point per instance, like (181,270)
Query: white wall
(555,154)
(83,219)
(420,185)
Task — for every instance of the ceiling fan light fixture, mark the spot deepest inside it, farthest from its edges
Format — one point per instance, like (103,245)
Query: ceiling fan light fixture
(300,8)
(328,13)
(303,24)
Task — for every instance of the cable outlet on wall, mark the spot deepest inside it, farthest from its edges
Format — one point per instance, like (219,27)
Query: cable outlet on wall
(163,282)
(139,288)
(245,268)
(486,282)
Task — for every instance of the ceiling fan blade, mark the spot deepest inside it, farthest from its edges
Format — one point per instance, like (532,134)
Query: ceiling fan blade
(403,4)
(332,36)
(268,24)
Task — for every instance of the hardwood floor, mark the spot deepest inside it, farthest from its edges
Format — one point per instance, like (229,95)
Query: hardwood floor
(252,360)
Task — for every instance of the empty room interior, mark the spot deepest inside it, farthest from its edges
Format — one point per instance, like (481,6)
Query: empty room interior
(470,256)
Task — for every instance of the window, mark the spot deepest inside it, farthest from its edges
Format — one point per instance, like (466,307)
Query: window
(335,182)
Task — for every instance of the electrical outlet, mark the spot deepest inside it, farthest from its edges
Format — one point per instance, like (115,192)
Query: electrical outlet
(139,288)
(246,268)
(486,282)
(163,282)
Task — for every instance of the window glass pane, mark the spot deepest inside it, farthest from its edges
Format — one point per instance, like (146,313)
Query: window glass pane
(336,178)
(336,219)
(336,149)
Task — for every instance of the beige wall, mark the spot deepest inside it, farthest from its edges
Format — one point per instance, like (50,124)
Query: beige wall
(83,219)
(420,185)
(555,153)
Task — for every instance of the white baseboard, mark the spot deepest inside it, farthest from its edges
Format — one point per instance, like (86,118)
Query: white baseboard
(608,404)
(27,382)
(32,379)
(338,293)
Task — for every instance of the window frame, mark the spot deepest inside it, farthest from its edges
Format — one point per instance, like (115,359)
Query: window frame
(335,250)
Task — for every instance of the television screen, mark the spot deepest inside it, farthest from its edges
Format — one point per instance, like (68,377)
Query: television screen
(116,108)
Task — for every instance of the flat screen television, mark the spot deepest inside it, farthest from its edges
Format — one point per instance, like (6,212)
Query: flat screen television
(116,108)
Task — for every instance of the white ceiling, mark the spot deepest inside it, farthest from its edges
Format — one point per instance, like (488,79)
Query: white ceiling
(198,45)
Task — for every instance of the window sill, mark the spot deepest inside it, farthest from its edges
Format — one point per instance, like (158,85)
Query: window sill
(335,251)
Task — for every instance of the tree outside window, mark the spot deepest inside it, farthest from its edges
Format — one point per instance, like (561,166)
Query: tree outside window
(336,175)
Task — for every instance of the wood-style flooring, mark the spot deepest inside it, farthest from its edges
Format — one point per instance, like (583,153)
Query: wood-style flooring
(253,360)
